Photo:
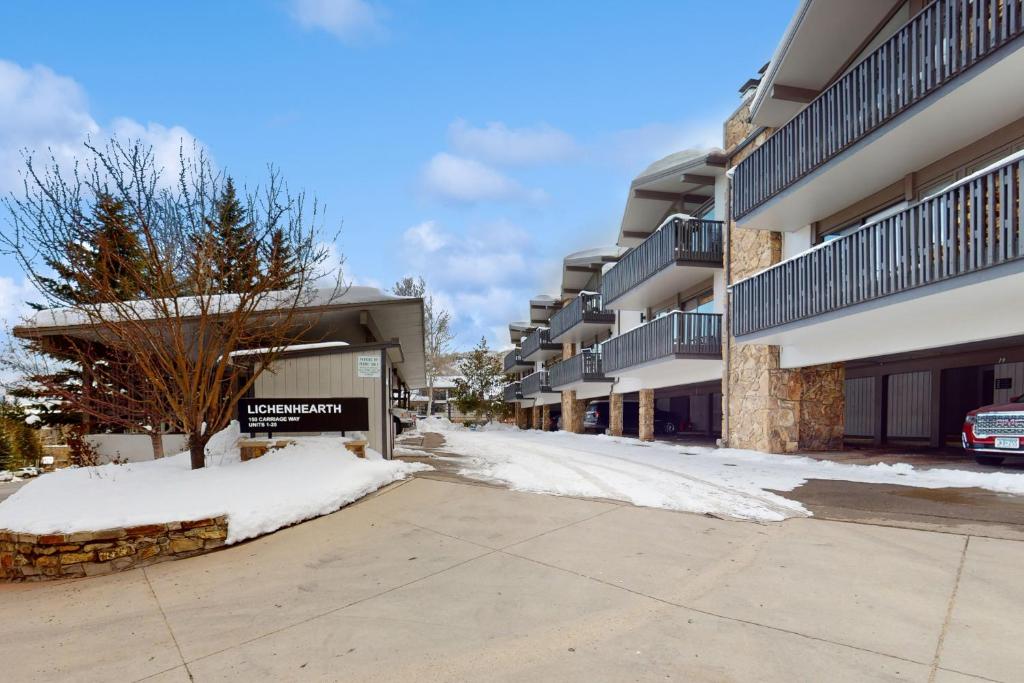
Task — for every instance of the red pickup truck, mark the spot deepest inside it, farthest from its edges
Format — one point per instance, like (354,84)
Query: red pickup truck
(996,432)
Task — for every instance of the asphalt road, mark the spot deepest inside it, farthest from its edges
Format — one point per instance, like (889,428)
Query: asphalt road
(8,488)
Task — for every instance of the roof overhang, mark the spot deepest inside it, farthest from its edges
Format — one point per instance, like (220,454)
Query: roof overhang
(821,40)
(542,307)
(332,316)
(579,267)
(679,183)
(518,331)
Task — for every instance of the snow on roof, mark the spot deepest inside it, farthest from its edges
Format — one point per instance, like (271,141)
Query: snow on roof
(290,349)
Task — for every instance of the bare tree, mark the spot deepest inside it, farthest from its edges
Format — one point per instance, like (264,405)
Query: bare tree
(437,333)
(168,351)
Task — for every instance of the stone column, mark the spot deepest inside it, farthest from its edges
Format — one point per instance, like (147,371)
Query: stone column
(647,414)
(545,418)
(571,421)
(536,414)
(615,416)
(522,417)
(579,411)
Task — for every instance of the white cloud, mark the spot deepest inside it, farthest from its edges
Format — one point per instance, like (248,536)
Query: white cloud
(425,236)
(348,20)
(45,114)
(468,181)
(14,298)
(498,144)
(636,148)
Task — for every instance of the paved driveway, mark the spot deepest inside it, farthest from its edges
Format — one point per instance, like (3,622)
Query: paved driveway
(442,580)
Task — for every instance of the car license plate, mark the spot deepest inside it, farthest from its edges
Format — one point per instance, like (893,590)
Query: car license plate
(1008,442)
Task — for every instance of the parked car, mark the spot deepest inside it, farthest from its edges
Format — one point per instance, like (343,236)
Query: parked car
(6,475)
(596,418)
(26,472)
(995,432)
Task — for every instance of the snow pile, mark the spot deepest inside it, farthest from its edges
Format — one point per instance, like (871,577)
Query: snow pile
(437,424)
(725,482)
(312,477)
(498,427)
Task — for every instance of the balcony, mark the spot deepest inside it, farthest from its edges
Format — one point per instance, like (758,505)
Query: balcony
(581,319)
(576,371)
(679,255)
(538,347)
(514,361)
(947,78)
(536,384)
(513,392)
(678,348)
(948,270)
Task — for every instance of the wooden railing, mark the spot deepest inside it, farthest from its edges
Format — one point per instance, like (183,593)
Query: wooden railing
(537,340)
(514,359)
(972,226)
(935,47)
(512,392)
(584,307)
(680,241)
(585,366)
(690,334)
(535,383)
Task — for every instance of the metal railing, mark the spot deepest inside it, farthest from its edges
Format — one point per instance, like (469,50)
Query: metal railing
(537,340)
(969,227)
(680,241)
(513,392)
(686,334)
(585,307)
(935,47)
(535,383)
(514,359)
(583,367)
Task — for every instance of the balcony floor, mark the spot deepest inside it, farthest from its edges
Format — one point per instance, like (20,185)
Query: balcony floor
(542,354)
(588,389)
(668,372)
(585,331)
(662,285)
(976,307)
(983,100)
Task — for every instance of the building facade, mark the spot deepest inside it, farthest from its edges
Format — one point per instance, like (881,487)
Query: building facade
(846,269)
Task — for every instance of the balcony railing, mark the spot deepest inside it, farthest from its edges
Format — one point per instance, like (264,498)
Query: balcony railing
(680,241)
(514,360)
(536,383)
(935,47)
(584,308)
(537,341)
(583,367)
(675,334)
(513,392)
(969,227)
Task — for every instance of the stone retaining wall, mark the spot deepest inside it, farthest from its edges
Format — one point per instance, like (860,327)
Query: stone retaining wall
(29,557)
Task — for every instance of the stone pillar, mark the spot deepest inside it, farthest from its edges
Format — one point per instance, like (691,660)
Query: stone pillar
(522,417)
(615,414)
(647,414)
(822,407)
(545,420)
(536,416)
(572,414)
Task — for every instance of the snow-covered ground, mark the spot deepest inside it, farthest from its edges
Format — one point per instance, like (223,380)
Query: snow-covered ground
(726,482)
(313,477)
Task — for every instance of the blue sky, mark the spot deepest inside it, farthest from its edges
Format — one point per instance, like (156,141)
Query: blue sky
(472,142)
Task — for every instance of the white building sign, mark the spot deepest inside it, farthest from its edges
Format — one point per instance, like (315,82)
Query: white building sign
(368,366)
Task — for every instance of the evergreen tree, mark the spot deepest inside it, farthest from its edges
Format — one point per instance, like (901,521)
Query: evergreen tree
(6,452)
(479,389)
(235,253)
(281,261)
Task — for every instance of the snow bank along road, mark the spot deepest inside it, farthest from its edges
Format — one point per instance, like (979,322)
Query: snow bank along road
(725,482)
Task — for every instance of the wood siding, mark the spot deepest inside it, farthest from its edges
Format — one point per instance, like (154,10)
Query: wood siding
(860,406)
(909,408)
(328,376)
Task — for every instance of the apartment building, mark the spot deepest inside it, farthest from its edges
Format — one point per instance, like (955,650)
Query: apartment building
(858,246)
(875,257)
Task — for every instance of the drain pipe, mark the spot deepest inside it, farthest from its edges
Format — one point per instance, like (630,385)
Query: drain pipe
(727,318)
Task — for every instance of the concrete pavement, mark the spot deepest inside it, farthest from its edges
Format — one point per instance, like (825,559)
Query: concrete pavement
(441,580)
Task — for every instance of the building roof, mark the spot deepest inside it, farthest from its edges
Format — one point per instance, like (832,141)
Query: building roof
(579,267)
(336,313)
(683,181)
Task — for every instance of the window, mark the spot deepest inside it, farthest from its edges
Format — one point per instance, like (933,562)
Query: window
(702,303)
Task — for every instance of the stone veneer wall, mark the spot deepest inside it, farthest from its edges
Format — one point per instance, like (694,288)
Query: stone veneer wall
(646,429)
(767,407)
(615,414)
(31,557)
